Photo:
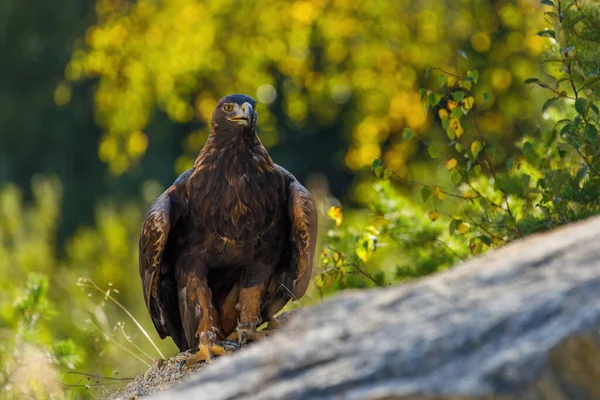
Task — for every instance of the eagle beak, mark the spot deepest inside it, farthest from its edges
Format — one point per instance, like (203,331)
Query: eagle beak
(244,115)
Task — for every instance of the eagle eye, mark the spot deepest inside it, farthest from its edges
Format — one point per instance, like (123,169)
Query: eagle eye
(228,107)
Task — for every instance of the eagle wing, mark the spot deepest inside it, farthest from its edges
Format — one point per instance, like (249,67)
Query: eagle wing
(295,267)
(157,272)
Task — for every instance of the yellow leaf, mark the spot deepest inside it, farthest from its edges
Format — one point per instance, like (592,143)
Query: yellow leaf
(452,104)
(451,81)
(439,193)
(336,214)
(365,247)
(468,103)
(456,127)
(443,113)
(463,227)
(325,257)
(337,257)
(450,164)
(319,281)
(434,215)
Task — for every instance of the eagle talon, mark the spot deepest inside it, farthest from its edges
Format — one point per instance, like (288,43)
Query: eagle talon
(206,353)
(245,335)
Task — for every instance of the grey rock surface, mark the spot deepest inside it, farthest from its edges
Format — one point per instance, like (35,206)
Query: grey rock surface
(520,322)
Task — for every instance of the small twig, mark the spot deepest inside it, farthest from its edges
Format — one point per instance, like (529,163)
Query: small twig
(446,72)
(491,168)
(112,339)
(450,249)
(458,196)
(96,376)
(364,273)
(291,294)
(88,282)
(585,159)
(131,342)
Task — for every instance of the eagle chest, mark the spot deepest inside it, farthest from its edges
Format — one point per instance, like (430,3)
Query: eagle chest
(238,212)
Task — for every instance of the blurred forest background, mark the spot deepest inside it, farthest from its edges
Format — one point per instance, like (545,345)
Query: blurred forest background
(103,103)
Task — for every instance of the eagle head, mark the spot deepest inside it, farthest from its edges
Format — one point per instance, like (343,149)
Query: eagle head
(235,114)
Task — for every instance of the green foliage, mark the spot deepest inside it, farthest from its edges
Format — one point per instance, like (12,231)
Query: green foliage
(33,340)
(310,63)
(348,257)
(55,324)
(488,197)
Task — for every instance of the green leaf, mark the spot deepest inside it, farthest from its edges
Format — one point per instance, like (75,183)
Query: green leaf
(531,80)
(458,96)
(529,153)
(407,134)
(453,226)
(446,124)
(473,75)
(565,129)
(463,54)
(476,148)
(477,169)
(487,97)
(580,105)
(433,99)
(457,113)
(455,177)
(378,171)
(548,103)
(433,151)
(426,194)
(486,240)
(547,33)
(510,162)
(583,171)
(387,173)
(442,79)
(591,133)
(591,81)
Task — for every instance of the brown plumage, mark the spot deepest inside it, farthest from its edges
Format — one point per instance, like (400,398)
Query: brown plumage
(230,242)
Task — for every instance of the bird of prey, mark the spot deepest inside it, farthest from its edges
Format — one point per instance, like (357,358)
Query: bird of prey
(229,243)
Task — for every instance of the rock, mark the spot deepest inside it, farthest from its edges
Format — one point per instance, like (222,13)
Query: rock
(160,376)
(519,323)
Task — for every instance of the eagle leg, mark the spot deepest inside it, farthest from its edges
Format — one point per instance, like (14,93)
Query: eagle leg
(200,318)
(250,316)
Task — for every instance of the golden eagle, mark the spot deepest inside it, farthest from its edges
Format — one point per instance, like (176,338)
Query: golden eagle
(230,242)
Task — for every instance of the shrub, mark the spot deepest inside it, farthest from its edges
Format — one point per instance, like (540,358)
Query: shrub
(487,198)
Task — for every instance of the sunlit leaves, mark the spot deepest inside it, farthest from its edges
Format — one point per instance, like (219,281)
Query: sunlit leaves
(450,164)
(438,192)
(434,215)
(476,148)
(336,214)
(365,248)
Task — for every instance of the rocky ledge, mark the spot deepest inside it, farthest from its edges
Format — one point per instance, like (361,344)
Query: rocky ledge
(518,323)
